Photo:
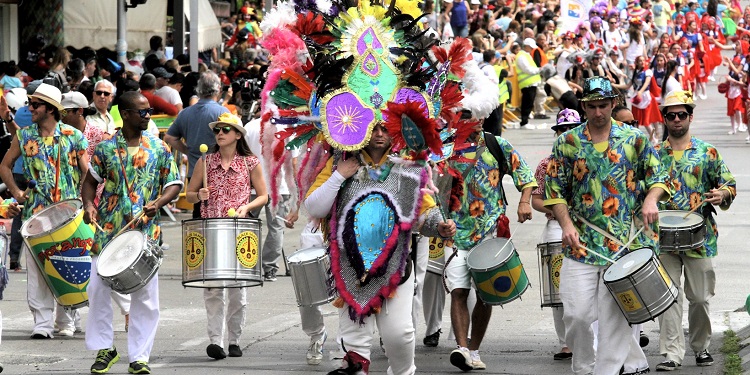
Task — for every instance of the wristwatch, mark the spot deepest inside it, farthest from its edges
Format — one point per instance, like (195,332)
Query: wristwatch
(10,118)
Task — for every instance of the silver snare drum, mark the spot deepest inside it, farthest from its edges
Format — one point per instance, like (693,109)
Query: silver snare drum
(680,233)
(221,253)
(129,261)
(436,259)
(550,262)
(311,276)
(641,286)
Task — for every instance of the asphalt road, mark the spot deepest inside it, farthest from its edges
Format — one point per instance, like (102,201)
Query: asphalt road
(521,338)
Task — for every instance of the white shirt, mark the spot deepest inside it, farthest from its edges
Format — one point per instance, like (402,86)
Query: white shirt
(169,94)
(104,122)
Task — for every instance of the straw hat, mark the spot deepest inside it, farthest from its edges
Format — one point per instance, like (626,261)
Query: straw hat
(231,120)
(49,94)
(678,97)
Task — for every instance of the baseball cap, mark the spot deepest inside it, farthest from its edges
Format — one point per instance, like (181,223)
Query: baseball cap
(160,72)
(529,42)
(74,99)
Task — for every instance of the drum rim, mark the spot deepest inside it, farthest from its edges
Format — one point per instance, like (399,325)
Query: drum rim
(256,283)
(664,226)
(653,256)
(235,219)
(140,254)
(325,252)
(503,261)
(63,224)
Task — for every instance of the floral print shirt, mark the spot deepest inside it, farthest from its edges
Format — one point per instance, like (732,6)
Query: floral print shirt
(53,163)
(130,182)
(604,187)
(482,202)
(230,188)
(700,169)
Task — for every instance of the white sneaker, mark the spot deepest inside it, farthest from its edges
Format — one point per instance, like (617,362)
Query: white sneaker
(67,332)
(743,128)
(747,138)
(476,361)
(528,127)
(703,96)
(315,353)
(731,132)
(711,78)
(461,358)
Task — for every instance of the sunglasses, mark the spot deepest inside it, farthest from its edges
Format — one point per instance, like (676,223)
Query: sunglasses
(671,116)
(100,93)
(633,123)
(35,105)
(224,129)
(141,112)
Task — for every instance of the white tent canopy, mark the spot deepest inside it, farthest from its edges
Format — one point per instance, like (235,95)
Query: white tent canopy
(93,23)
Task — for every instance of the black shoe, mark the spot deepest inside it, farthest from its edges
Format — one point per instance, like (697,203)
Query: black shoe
(105,358)
(139,367)
(215,351)
(14,265)
(40,336)
(541,117)
(704,359)
(667,366)
(235,351)
(639,372)
(644,340)
(562,355)
(432,340)
(270,276)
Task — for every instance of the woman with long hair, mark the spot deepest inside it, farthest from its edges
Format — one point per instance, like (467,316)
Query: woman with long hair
(232,172)
(670,82)
(636,44)
(645,109)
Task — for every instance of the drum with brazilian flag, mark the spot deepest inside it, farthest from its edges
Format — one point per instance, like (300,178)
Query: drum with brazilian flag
(497,271)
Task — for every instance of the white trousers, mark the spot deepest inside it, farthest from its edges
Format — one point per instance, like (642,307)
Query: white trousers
(430,295)
(539,100)
(122,301)
(144,317)
(587,299)
(42,302)
(225,305)
(395,326)
(700,282)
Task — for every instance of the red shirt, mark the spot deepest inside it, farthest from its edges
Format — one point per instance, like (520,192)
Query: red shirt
(160,105)
(228,188)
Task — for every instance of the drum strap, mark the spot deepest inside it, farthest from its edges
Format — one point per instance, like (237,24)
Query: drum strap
(497,153)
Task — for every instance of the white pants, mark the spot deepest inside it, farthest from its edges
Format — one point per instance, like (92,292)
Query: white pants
(430,295)
(42,302)
(587,299)
(227,304)
(144,317)
(122,301)
(700,282)
(539,100)
(395,326)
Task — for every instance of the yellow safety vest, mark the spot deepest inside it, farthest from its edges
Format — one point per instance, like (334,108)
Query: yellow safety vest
(504,93)
(525,80)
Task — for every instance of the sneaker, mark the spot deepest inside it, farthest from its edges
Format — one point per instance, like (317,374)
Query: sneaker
(703,96)
(461,358)
(639,372)
(315,352)
(667,366)
(432,340)
(15,265)
(743,128)
(541,117)
(476,362)
(270,276)
(105,358)
(644,340)
(40,336)
(527,127)
(139,367)
(704,359)
(732,132)
(235,351)
(67,332)
(215,351)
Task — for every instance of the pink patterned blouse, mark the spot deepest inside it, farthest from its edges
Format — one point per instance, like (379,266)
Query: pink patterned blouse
(539,174)
(228,188)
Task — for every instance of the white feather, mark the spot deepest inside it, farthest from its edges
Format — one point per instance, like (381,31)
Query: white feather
(481,96)
(324,6)
(281,16)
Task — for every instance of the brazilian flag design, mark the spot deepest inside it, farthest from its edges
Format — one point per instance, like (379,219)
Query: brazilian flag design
(503,284)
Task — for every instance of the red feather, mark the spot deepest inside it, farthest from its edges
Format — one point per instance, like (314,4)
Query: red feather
(428,127)
(441,55)
(465,128)
(313,26)
(457,190)
(304,87)
(459,53)
(450,97)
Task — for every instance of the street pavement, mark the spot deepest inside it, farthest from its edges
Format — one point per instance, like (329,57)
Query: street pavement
(521,337)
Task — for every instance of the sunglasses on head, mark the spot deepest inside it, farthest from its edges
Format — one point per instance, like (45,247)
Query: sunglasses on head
(671,116)
(141,112)
(224,129)
(35,105)
(105,93)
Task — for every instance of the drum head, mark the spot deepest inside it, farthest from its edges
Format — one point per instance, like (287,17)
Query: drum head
(628,264)
(308,254)
(51,218)
(487,255)
(677,219)
(120,253)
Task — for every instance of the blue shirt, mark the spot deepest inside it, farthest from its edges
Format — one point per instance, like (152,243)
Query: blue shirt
(22,119)
(459,14)
(192,124)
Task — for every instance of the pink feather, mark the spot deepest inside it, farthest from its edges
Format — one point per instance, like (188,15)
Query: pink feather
(271,82)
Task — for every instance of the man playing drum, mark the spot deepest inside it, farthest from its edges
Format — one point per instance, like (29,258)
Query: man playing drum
(482,207)
(137,166)
(53,154)
(594,175)
(700,180)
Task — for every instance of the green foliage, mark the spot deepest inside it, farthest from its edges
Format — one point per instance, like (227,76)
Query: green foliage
(730,349)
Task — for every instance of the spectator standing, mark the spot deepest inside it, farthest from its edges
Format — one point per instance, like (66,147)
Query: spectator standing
(165,80)
(148,87)
(528,79)
(459,12)
(103,95)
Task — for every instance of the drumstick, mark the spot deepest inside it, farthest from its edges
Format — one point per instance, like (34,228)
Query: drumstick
(506,244)
(98,226)
(627,245)
(204,148)
(598,254)
(704,201)
(135,219)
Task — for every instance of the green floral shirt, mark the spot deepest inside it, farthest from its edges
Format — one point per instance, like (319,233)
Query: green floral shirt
(482,200)
(604,187)
(699,170)
(146,174)
(53,163)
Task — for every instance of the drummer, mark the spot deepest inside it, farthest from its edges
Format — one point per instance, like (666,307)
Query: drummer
(46,148)
(232,172)
(566,119)
(483,201)
(575,189)
(700,181)
(138,167)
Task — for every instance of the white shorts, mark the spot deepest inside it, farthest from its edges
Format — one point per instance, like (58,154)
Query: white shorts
(457,274)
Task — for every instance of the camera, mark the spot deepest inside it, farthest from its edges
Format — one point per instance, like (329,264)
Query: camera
(249,89)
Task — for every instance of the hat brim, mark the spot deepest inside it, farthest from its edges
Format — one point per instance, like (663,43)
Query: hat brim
(557,127)
(239,128)
(597,96)
(667,105)
(48,100)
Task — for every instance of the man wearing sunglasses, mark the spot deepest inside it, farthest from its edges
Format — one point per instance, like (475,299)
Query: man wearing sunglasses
(141,177)
(699,178)
(103,95)
(45,148)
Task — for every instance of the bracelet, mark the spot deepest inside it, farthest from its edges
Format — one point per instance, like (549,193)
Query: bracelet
(527,202)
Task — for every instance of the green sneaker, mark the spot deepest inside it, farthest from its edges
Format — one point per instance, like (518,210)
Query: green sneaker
(139,367)
(105,358)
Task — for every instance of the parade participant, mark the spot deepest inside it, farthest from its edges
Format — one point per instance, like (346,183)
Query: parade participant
(232,173)
(645,108)
(574,189)
(482,208)
(53,154)
(141,177)
(700,180)
(566,119)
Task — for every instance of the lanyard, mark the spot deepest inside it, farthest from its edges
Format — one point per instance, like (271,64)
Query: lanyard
(128,185)
(56,191)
